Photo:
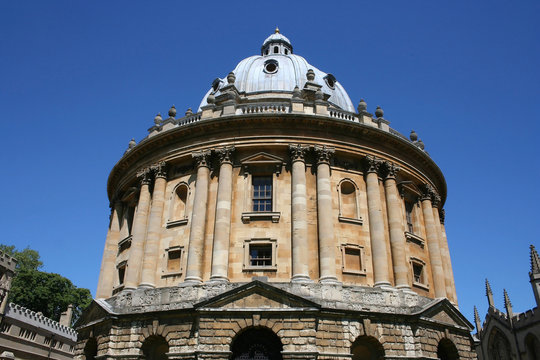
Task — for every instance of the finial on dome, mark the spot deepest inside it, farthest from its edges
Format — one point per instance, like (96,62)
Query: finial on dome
(296,94)
(310,75)
(172,111)
(413,136)
(421,144)
(211,99)
(319,94)
(379,112)
(132,143)
(277,30)
(189,112)
(158,119)
(231,78)
(362,106)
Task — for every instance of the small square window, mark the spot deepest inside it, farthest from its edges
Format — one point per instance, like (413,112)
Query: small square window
(260,254)
(121,272)
(172,265)
(353,259)
(418,274)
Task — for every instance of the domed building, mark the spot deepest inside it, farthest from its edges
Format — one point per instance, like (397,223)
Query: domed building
(276,222)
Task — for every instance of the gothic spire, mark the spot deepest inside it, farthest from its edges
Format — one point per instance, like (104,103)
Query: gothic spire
(489,294)
(535,261)
(477,320)
(508,305)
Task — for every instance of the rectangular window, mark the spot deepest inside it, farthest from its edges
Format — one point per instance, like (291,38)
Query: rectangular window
(418,273)
(353,259)
(262,193)
(121,272)
(260,255)
(173,260)
(409,207)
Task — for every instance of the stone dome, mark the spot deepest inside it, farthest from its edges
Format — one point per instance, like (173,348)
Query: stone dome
(278,71)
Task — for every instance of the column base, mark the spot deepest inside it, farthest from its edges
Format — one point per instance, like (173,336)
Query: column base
(301,278)
(384,285)
(406,289)
(190,281)
(146,286)
(330,280)
(218,279)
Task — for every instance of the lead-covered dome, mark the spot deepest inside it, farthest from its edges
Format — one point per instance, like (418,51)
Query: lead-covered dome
(278,71)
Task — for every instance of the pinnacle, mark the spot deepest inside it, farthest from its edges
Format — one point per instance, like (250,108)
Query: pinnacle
(488,288)
(535,261)
(507,302)
(476,316)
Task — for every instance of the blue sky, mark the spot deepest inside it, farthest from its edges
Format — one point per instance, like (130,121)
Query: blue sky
(79,79)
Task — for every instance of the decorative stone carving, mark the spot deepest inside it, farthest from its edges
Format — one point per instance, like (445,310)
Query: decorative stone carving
(297,94)
(298,152)
(202,158)
(379,112)
(442,215)
(160,169)
(225,154)
(324,154)
(372,164)
(231,78)
(435,200)
(362,106)
(172,112)
(391,170)
(158,119)
(310,75)
(427,192)
(144,176)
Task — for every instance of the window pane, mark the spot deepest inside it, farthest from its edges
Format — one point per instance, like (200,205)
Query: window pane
(262,193)
(260,255)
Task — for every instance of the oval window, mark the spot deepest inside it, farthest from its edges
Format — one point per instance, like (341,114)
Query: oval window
(271,66)
(330,81)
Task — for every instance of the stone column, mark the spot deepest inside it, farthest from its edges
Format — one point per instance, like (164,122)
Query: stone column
(151,248)
(299,214)
(198,218)
(376,224)
(325,217)
(445,254)
(107,272)
(395,225)
(139,232)
(222,226)
(433,243)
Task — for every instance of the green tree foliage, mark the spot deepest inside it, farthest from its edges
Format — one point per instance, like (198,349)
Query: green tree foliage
(44,292)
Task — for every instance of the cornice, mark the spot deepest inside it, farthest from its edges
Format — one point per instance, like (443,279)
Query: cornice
(213,131)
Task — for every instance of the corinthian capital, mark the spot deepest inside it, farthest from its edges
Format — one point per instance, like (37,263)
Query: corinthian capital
(202,158)
(427,192)
(160,169)
(144,176)
(324,154)
(435,200)
(298,152)
(391,170)
(372,164)
(225,154)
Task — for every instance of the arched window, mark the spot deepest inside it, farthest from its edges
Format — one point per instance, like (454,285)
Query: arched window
(276,49)
(256,343)
(90,349)
(348,202)
(533,347)
(446,350)
(367,348)
(498,346)
(178,205)
(155,348)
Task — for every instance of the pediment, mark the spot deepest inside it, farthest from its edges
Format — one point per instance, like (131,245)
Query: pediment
(257,295)
(442,311)
(95,312)
(262,158)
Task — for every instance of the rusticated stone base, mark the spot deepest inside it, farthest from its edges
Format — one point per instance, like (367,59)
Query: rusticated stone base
(311,321)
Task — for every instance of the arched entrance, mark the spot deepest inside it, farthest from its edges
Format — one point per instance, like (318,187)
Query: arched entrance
(90,349)
(446,350)
(367,348)
(256,344)
(498,346)
(155,348)
(533,347)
